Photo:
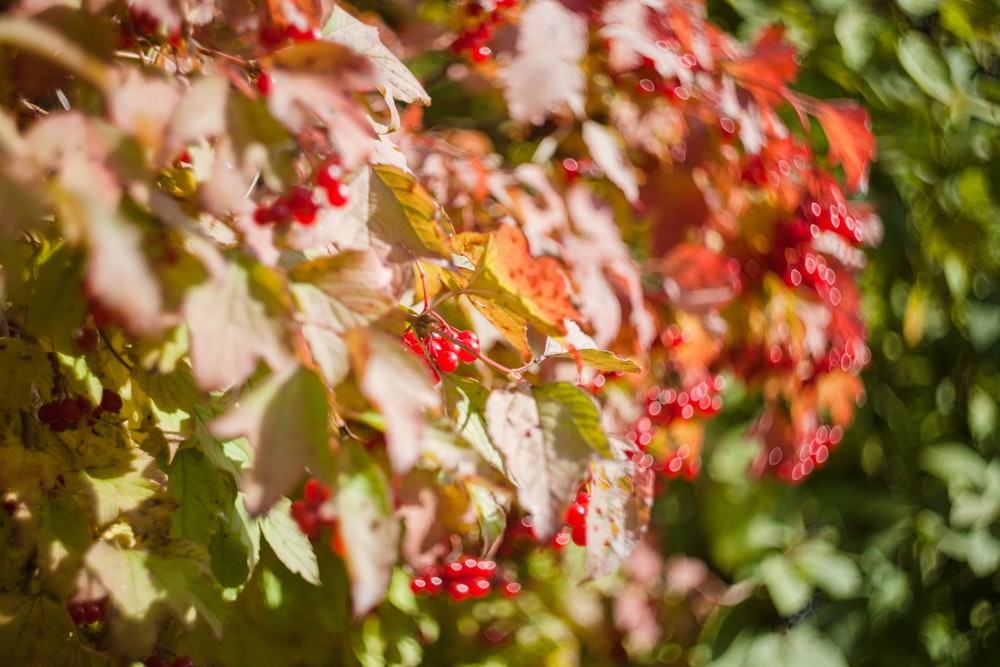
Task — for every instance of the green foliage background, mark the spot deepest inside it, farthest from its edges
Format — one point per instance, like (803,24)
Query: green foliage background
(890,555)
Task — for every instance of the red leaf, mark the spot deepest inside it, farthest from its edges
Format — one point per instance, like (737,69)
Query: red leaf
(697,279)
(769,67)
(852,144)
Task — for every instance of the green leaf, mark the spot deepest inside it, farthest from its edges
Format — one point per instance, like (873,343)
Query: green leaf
(368,527)
(33,631)
(122,487)
(491,514)
(285,420)
(235,546)
(924,63)
(177,574)
(288,542)
(23,366)
(567,411)
(956,464)
(983,552)
(466,401)
(403,215)
(202,495)
(547,436)
(56,305)
(803,645)
(602,360)
(834,572)
(788,589)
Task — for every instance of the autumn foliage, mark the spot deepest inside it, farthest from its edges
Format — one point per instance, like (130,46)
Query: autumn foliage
(258,292)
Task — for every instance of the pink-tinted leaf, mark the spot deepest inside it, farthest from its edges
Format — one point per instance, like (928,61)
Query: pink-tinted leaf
(546,76)
(608,153)
(849,135)
(421,506)
(621,496)
(547,436)
(396,77)
(87,194)
(285,419)
(201,114)
(142,105)
(221,313)
(368,529)
(603,266)
(315,82)
(384,369)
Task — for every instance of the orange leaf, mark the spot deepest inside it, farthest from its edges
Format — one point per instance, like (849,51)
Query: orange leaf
(852,144)
(533,287)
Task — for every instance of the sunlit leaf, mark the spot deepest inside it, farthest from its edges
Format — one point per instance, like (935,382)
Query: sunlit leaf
(289,543)
(285,420)
(367,527)
(618,513)
(122,487)
(384,367)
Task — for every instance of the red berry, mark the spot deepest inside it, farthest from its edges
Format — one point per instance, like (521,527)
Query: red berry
(469,340)
(576,516)
(298,33)
(155,661)
(9,505)
(86,339)
(511,588)
(459,590)
(479,587)
(418,585)
(281,210)
(77,612)
(70,410)
(263,215)
(93,612)
(447,361)
(302,204)
(330,175)
(338,195)
(183,661)
(48,413)
(580,536)
(110,401)
(264,83)
(315,492)
(271,36)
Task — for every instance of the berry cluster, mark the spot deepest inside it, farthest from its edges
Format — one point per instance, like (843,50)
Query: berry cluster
(481,24)
(834,215)
(300,203)
(576,518)
(88,612)
(158,660)
(442,353)
(583,168)
(309,513)
(794,464)
(520,537)
(68,412)
(273,37)
(664,406)
(810,268)
(466,577)
(146,26)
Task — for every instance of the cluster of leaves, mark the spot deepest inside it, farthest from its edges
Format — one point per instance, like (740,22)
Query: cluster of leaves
(662,209)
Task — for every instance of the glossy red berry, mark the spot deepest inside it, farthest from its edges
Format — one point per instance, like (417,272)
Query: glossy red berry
(183,661)
(447,361)
(303,205)
(298,33)
(469,340)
